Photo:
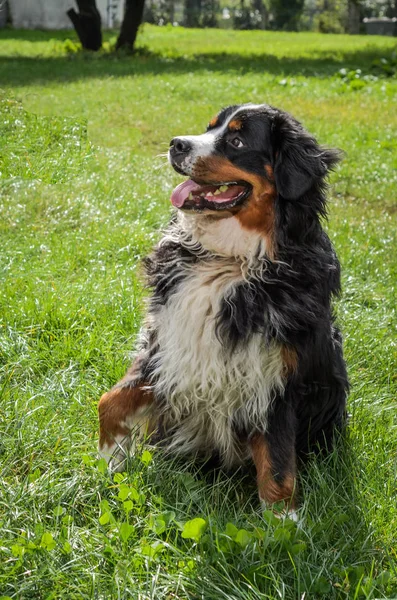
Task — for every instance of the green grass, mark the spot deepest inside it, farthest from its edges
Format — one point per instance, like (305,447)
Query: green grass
(83,197)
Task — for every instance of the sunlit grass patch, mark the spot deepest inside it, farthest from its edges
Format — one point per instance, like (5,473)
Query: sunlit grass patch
(32,147)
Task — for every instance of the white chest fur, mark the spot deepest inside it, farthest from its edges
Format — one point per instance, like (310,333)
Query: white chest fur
(208,386)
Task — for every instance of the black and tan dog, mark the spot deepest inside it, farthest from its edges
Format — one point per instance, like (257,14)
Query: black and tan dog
(239,356)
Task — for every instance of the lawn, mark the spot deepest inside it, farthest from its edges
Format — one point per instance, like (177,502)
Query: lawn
(83,195)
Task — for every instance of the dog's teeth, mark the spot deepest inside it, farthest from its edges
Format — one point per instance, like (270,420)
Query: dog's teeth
(223,188)
(203,194)
(190,197)
(217,192)
(209,194)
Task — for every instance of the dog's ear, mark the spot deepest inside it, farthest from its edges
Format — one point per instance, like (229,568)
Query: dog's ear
(299,162)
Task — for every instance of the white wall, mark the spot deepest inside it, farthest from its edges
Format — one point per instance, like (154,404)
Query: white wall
(51,14)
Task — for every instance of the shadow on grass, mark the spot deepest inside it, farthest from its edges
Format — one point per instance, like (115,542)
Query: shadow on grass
(35,35)
(334,527)
(327,485)
(22,70)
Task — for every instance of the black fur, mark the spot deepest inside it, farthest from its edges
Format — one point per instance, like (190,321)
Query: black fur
(291,302)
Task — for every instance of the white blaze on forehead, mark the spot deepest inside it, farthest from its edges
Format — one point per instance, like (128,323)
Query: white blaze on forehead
(249,106)
(202,145)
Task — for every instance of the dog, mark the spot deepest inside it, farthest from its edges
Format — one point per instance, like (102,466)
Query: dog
(239,356)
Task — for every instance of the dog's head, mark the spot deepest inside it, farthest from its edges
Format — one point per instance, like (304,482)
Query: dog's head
(252,163)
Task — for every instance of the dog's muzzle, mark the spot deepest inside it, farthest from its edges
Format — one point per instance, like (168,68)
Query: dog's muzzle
(180,153)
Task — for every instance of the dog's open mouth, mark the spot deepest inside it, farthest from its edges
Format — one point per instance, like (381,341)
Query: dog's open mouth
(190,195)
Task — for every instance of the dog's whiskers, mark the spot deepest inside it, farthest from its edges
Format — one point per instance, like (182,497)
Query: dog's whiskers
(160,166)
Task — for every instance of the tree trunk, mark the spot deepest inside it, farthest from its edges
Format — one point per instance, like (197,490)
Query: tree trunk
(171,11)
(353,17)
(259,5)
(391,11)
(192,13)
(87,23)
(129,28)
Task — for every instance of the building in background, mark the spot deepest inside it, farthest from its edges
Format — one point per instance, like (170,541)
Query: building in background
(51,14)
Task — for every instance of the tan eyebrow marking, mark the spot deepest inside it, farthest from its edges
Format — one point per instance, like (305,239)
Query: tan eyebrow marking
(235,125)
(213,122)
(269,172)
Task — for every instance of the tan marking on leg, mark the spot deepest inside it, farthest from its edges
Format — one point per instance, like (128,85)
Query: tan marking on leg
(118,407)
(124,411)
(270,491)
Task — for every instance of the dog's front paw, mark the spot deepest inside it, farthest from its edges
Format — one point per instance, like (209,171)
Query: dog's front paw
(281,510)
(116,453)
(288,514)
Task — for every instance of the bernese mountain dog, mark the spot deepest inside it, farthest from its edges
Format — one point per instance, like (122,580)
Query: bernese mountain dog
(239,356)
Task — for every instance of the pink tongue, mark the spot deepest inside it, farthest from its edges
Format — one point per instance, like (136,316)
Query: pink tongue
(182,191)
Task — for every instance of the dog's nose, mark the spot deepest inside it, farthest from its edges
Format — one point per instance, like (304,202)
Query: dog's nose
(180,146)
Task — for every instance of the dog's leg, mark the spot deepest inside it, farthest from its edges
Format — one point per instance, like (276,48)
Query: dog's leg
(274,456)
(272,486)
(124,414)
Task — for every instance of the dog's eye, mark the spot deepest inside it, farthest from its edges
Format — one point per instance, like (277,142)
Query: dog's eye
(236,142)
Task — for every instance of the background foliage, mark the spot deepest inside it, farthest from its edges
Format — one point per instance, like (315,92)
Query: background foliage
(326,16)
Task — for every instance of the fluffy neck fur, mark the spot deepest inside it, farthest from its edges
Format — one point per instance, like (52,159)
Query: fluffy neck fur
(223,237)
